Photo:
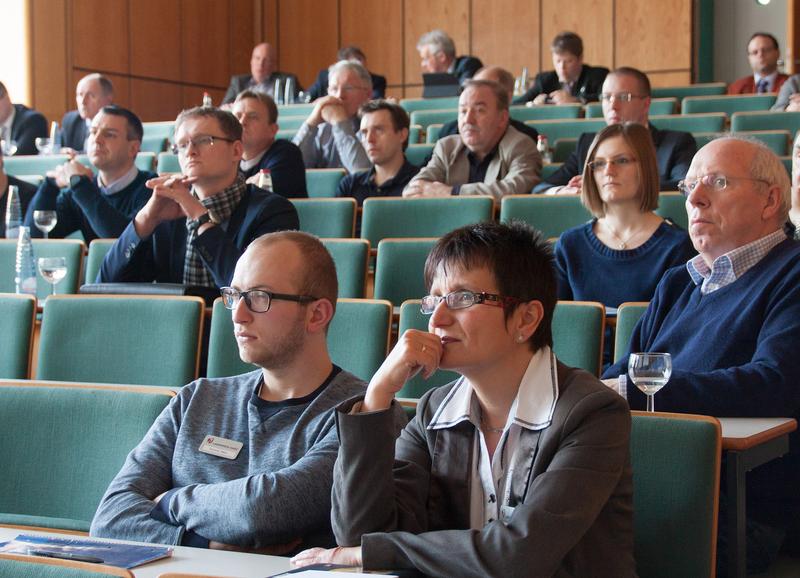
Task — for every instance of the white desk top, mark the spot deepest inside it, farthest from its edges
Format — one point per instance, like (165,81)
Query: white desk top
(745,432)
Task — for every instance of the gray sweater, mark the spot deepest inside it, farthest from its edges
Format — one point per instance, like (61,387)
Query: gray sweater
(278,487)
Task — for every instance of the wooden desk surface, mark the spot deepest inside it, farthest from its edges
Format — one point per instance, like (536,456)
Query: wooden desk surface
(741,433)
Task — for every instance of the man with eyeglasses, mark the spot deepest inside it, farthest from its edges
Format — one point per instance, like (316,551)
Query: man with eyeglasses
(197,224)
(763,54)
(328,138)
(102,205)
(731,321)
(246,462)
(626,98)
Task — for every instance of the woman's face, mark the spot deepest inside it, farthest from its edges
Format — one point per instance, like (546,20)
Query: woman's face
(616,171)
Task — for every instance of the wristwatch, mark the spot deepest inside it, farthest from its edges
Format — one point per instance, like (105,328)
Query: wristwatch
(207,217)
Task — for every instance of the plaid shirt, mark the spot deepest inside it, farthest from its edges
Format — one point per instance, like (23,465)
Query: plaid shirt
(729,267)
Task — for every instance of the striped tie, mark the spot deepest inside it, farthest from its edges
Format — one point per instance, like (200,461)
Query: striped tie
(762,86)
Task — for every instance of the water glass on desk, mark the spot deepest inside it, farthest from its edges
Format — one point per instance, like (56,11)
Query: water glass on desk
(650,372)
(45,221)
(8,147)
(44,145)
(53,270)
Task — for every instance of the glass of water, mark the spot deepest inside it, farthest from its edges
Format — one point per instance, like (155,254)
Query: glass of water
(8,146)
(650,372)
(44,145)
(45,221)
(53,270)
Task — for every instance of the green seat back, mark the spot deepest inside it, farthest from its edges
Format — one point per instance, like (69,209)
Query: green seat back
(94,261)
(679,92)
(413,133)
(672,206)
(322,183)
(710,122)
(432,133)
(287,134)
(747,121)
(154,144)
(778,141)
(675,460)
(412,318)
(628,315)
(550,169)
(223,353)
(667,105)
(294,110)
(38,567)
(35,180)
(72,250)
(32,164)
(578,328)
(426,217)
(556,129)
(161,129)
(17,318)
(523,113)
(427,117)
(145,161)
(326,217)
(115,339)
(415,104)
(562,148)
(399,269)
(63,447)
(168,163)
(550,214)
(350,257)
(416,154)
(291,122)
(726,103)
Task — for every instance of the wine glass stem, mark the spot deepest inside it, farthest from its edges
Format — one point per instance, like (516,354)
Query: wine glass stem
(45,234)
(651,405)
(54,292)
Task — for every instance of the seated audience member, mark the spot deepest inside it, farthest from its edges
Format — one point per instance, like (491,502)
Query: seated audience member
(272,490)
(258,116)
(571,81)
(731,321)
(328,138)
(384,134)
(20,124)
(354,54)
(98,206)
(92,93)
(25,190)
(763,54)
(794,213)
(487,157)
(626,98)
(262,75)
(520,467)
(437,53)
(196,225)
(789,95)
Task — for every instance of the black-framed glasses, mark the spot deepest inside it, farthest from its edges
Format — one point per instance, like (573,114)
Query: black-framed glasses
(619,96)
(464,299)
(620,162)
(197,142)
(258,300)
(715,182)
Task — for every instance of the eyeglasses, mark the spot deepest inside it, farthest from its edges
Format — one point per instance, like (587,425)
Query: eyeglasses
(258,301)
(621,162)
(465,299)
(619,96)
(716,182)
(197,142)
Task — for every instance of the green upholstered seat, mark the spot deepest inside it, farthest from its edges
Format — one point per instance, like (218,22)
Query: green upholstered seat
(32,164)
(167,163)
(779,141)
(145,161)
(295,110)
(291,122)
(672,206)
(748,121)
(550,169)
(523,113)
(322,183)
(415,104)
(414,132)
(556,129)
(417,153)
(550,214)
(667,105)
(161,129)
(628,315)
(71,249)
(675,460)
(20,566)
(709,122)
(350,257)
(679,92)
(17,318)
(223,353)
(154,144)
(287,134)
(428,117)
(399,269)
(726,103)
(146,340)
(578,328)
(94,261)
(432,132)
(326,217)
(35,180)
(427,217)
(562,148)
(63,445)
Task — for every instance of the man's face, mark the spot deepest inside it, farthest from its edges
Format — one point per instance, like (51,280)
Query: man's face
(109,148)
(211,163)
(258,129)
(275,338)
(763,55)
(617,110)
(567,66)
(380,139)
(432,61)
(350,89)
(480,123)
(262,62)
(90,97)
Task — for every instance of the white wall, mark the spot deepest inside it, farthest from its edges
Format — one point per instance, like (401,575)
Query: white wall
(15,61)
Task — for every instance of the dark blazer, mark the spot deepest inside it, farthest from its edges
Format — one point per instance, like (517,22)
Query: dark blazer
(73,131)
(747,84)
(285,163)
(26,194)
(587,88)
(160,257)
(27,126)
(320,86)
(242,82)
(674,152)
(465,67)
(572,494)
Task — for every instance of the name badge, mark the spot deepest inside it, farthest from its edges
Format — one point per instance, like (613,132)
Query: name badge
(221,447)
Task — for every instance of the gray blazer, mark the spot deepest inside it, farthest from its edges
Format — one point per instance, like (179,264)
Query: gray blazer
(790,87)
(514,170)
(408,504)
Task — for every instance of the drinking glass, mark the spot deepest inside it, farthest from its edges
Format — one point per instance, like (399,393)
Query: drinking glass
(45,221)
(44,145)
(8,147)
(650,372)
(53,270)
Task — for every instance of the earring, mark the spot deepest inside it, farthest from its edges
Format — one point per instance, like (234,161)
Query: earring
(520,338)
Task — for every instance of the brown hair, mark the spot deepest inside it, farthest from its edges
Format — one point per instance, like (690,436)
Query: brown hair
(228,124)
(263,98)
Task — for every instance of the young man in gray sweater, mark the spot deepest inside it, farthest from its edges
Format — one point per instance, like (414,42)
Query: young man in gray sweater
(246,462)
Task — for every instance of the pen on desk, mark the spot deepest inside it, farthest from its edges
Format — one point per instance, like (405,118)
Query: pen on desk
(66,556)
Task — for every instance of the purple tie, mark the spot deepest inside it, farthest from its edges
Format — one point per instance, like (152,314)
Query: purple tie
(762,86)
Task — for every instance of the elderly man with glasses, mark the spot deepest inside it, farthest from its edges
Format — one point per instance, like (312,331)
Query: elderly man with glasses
(626,98)
(731,321)
(197,224)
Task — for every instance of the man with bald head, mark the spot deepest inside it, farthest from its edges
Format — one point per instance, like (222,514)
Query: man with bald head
(731,321)
(262,77)
(93,92)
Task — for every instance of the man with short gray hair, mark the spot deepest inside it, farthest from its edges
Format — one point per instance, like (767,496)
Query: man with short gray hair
(93,92)
(437,53)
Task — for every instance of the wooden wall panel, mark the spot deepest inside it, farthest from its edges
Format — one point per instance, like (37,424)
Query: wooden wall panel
(453,16)
(510,42)
(641,41)
(592,20)
(383,45)
(679,78)
(100,35)
(51,92)
(205,44)
(154,100)
(155,42)
(242,35)
(269,30)
(309,36)
(193,96)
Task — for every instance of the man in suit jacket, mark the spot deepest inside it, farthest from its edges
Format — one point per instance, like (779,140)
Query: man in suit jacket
(437,53)
(262,75)
(488,157)
(763,54)
(93,92)
(21,124)
(571,81)
(354,53)
(626,98)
